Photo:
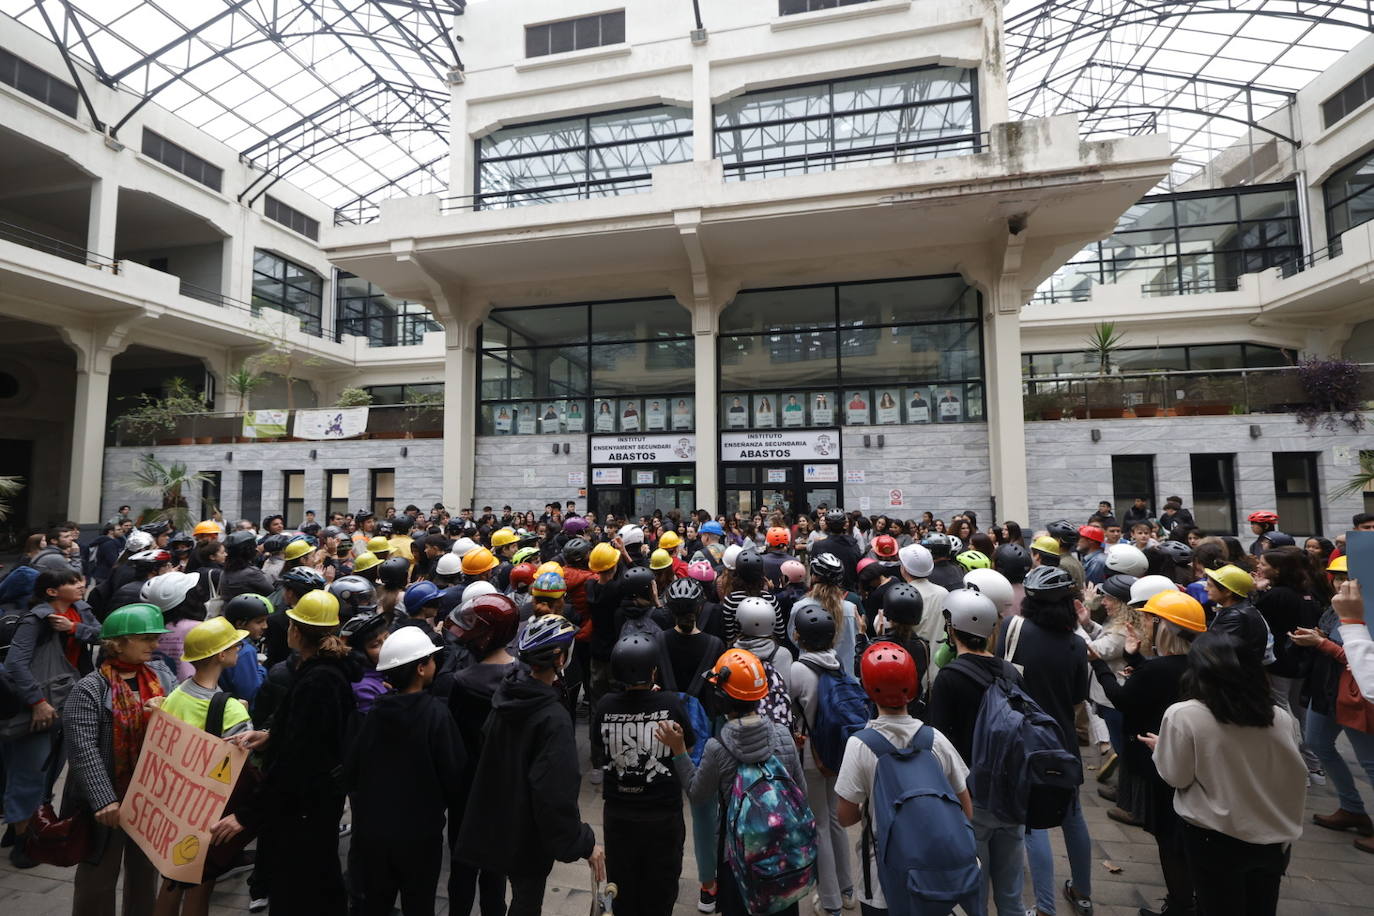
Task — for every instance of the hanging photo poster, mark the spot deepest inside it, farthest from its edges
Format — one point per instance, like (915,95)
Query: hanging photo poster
(526,420)
(737,413)
(822,414)
(655,416)
(549,418)
(950,407)
(576,422)
(856,409)
(682,413)
(764,415)
(605,417)
(629,417)
(917,407)
(503,419)
(794,410)
(889,407)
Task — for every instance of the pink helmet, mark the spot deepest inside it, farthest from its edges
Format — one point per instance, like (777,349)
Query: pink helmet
(865,562)
(793,571)
(702,571)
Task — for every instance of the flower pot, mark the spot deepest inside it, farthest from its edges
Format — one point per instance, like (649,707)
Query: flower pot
(1104,413)
(1214,408)
(204,440)
(1147,410)
(1080,413)
(1053,413)
(1185,410)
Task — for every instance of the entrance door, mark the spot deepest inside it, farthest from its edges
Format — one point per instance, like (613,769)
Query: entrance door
(763,488)
(646,488)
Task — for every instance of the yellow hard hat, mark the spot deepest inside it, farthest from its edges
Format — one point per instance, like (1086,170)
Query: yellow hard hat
(503,537)
(211,637)
(317,609)
(476,562)
(1178,607)
(660,559)
(603,557)
(378,544)
(1233,579)
(207,527)
(670,540)
(365,560)
(1338,565)
(1046,544)
(296,549)
(550,566)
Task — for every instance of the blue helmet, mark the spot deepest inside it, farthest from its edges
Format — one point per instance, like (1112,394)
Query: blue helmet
(713,527)
(419,595)
(544,637)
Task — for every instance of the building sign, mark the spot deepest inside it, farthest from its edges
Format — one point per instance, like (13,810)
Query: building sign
(649,449)
(854,476)
(821,473)
(799,445)
(607,477)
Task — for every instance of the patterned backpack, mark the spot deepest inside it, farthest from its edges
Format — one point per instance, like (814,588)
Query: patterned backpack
(777,706)
(770,835)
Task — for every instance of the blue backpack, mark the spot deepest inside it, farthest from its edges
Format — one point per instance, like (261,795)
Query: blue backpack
(701,725)
(926,853)
(1021,772)
(842,708)
(769,837)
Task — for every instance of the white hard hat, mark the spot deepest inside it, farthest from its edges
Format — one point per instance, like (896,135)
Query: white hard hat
(463,546)
(1147,587)
(450,564)
(137,541)
(1127,559)
(970,611)
(916,560)
(631,534)
(478,589)
(169,589)
(728,558)
(755,617)
(406,645)
(992,584)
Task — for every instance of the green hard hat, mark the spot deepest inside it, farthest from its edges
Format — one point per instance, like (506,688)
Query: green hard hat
(133,620)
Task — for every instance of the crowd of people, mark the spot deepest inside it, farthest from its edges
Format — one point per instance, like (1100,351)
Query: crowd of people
(752,686)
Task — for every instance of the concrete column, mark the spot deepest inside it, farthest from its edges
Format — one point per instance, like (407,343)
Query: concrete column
(100,221)
(460,162)
(233,270)
(1006,421)
(703,122)
(460,410)
(705,322)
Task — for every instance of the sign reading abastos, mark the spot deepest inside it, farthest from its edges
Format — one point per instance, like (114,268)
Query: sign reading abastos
(670,448)
(785,445)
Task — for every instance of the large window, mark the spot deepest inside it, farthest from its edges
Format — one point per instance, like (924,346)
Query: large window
(1133,477)
(291,218)
(598,155)
(1296,493)
(1349,196)
(250,495)
(1186,357)
(210,489)
(1214,492)
(911,114)
(293,498)
(1200,242)
(383,486)
(878,353)
(37,84)
(575,34)
(181,160)
(288,287)
(602,367)
(384,395)
(363,310)
(336,493)
(1352,95)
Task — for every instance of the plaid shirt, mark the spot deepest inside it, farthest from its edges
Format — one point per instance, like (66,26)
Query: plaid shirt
(88,733)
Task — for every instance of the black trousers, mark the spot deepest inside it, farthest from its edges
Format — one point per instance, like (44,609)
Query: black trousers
(527,893)
(410,869)
(305,878)
(644,857)
(1173,861)
(467,884)
(1232,877)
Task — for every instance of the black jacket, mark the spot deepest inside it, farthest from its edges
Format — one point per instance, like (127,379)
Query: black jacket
(846,550)
(947,574)
(603,598)
(522,809)
(246,581)
(652,620)
(413,735)
(1245,623)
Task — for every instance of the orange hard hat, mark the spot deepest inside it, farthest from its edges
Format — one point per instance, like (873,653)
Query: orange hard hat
(207,527)
(1178,608)
(740,675)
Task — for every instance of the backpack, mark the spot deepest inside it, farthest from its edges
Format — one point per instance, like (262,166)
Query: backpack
(8,625)
(701,725)
(777,706)
(1020,771)
(770,837)
(842,708)
(925,847)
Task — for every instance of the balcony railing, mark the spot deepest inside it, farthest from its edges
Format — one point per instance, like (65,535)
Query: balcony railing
(384,421)
(1298,265)
(1169,393)
(833,160)
(548,194)
(27,237)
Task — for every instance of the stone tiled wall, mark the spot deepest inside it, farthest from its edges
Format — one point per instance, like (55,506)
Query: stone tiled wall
(524,472)
(942,468)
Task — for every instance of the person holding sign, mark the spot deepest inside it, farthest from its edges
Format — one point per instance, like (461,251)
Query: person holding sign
(107,717)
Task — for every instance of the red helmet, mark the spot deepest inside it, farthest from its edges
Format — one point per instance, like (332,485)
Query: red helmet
(779,537)
(486,622)
(888,673)
(885,547)
(1264,517)
(522,574)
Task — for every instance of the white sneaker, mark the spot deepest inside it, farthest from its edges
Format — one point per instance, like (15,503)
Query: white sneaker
(257,905)
(596,776)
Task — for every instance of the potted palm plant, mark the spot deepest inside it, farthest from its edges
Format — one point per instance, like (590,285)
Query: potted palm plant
(167,484)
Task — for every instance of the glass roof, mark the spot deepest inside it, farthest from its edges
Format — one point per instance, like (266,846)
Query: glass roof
(348,99)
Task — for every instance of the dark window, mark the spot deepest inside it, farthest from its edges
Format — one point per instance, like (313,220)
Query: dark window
(1366,460)
(37,84)
(575,34)
(250,495)
(1152,359)
(1296,493)
(385,395)
(599,155)
(1133,476)
(210,493)
(363,310)
(293,498)
(288,287)
(336,485)
(1352,95)
(1199,242)
(383,490)
(902,116)
(291,218)
(1349,196)
(181,160)
(789,7)
(1214,492)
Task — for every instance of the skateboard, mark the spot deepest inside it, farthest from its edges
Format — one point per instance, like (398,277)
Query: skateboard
(602,900)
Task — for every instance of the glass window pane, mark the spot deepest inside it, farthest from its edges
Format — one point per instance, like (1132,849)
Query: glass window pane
(623,126)
(773,105)
(1220,209)
(1264,356)
(613,27)
(1149,360)
(561,36)
(784,360)
(560,324)
(548,372)
(587,32)
(930,299)
(1147,215)
(1266,204)
(1223,356)
(524,139)
(923,353)
(640,320)
(625,368)
(780,309)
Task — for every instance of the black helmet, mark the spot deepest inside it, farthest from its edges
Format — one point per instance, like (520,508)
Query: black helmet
(302,579)
(157,528)
(749,565)
(1180,552)
(1119,587)
(332,531)
(576,551)
(684,596)
(1277,538)
(827,568)
(355,593)
(386,528)
(1063,531)
(815,626)
(394,572)
(1048,582)
(634,659)
(243,608)
(834,521)
(275,543)
(362,515)
(241,544)
(937,543)
(639,582)
(359,629)
(903,604)
(1011,557)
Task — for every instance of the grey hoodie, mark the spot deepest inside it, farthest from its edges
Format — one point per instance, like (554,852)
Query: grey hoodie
(751,739)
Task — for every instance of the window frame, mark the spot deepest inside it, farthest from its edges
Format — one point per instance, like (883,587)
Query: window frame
(1342,98)
(1121,503)
(250,495)
(574,23)
(1312,473)
(333,504)
(379,502)
(288,216)
(211,493)
(310,324)
(1227,495)
(404,327)
(195,167)
(1330,206)
(292,504)
(19,68)
(813,6)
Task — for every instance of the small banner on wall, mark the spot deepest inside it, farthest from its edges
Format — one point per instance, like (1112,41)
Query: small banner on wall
(331,423)
(264,424)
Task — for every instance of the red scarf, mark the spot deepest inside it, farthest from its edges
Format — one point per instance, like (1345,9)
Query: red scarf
(71,647)
(130,719)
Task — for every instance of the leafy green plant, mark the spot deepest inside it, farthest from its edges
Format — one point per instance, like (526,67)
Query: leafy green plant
(1363,481)
(9,489)
(242,382)
(167,484)
(354,397)
(155,415)
(1102,343)
(280,357)
(422,405)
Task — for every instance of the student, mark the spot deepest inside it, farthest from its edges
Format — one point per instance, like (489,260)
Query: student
(890,678)
(644,830)
(745,738)
(211,648)
(524,783)
(365,635)
(247,612)
(398,824)
(900,622)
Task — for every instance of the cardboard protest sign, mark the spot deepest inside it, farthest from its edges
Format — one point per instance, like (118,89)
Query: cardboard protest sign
(180,786)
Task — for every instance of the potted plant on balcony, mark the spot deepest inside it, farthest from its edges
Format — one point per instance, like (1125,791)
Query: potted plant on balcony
(1151,395)
(1044,405)
(354,397)
(422,407)
(1211,396)
(1335,392)
(160,415)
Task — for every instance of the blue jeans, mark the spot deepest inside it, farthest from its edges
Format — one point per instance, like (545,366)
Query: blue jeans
(1041,859)
(1001,853)
(1322,732)
(26,779)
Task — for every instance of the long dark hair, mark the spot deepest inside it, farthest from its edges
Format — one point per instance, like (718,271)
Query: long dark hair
(52,578)
(1230,683)
(1293,566)
(1055,614)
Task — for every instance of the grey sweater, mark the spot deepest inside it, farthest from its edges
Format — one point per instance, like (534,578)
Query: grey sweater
(751,739)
